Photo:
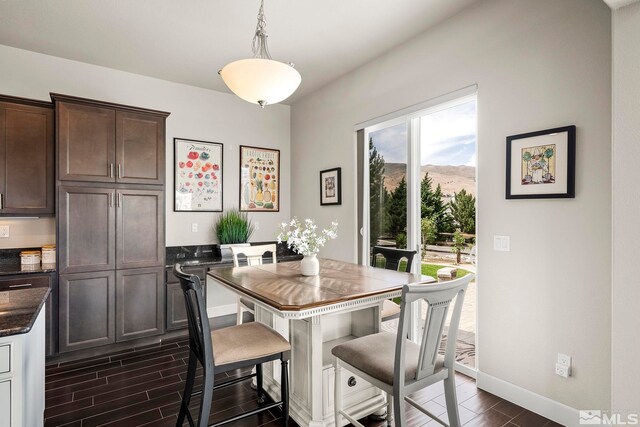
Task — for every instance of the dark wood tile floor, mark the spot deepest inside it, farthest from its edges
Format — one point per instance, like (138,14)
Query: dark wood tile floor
(143,387)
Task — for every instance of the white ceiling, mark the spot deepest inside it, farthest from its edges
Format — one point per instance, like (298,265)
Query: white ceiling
(615,4)
(188,41)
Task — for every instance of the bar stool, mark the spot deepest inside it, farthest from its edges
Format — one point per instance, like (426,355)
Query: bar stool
(392,258)
(400,367)
(254,256)
(249,344)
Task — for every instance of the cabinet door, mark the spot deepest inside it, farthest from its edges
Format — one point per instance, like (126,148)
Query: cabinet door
(86,229)
(139,303)
(176,314)
(139,148)
(86,310)
(140,228)
(86,142)
(26,160)
(6,399)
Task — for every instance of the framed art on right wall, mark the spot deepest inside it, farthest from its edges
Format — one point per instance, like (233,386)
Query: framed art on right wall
(542,164)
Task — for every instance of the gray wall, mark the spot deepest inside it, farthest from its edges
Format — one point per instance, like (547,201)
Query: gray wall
(626,205)
(196,113)
(538,64)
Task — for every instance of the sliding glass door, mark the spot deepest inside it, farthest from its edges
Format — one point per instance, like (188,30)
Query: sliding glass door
(419,187)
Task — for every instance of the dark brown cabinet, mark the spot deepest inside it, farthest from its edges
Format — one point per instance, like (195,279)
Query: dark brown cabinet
(101,142)
(111,237)
(86,310)
(86,229)
(139,303)
(26,157)
(176,313)
(139,148)
(86,135)
(139,228)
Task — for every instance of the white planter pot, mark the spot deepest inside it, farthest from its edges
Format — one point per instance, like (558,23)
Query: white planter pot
(225,250)
(310,266)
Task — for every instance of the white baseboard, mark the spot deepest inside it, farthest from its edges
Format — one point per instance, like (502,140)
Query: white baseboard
(222,310)
(548,408)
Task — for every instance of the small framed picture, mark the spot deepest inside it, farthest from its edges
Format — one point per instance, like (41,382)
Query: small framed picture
(330,187)
(542,164)
(259,179)
(197,176)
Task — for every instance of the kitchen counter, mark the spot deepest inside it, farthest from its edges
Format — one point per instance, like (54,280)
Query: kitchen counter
(11,269)
(19,309)
(209,255)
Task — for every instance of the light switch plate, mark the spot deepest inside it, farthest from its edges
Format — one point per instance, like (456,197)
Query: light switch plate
(4,231)
(501,243)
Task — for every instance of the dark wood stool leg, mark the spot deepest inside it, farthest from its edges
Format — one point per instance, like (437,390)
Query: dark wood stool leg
(284,391)
(259,388)
(188,389)
(207,396)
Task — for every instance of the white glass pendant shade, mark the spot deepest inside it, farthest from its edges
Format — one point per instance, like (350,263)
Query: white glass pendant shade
(261,81)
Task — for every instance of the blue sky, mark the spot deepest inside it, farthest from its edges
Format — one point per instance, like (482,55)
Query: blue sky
(448,138)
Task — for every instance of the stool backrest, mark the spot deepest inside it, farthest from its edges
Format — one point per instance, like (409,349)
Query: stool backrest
(254,254)
(392,257)
(438,298)
(199,330)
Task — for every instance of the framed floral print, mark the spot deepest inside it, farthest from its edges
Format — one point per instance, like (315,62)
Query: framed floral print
(259,179)
(197,175)
(542,164)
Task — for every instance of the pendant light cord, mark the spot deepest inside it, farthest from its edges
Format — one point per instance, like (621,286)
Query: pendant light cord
(259,43)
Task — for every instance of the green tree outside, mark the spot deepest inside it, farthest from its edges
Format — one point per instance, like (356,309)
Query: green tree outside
(377,194)
(463,210)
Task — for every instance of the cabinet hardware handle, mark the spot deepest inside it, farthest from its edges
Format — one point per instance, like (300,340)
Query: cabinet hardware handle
(24,285)
(110,170)
(1,201)
(119,199)
(119,170)
(352,382)
(110,200)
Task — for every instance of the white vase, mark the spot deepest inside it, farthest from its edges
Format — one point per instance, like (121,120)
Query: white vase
(310,266)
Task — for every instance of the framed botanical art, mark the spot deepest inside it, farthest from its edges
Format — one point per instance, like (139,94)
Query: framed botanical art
(330,187)
(198,176)
(259,179)
(542,164)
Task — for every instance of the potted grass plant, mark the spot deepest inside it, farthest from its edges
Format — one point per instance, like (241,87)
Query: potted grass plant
(233,228)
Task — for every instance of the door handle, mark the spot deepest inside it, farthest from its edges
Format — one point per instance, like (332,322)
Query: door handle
(119,170)
(110,200)
(110,170)
(119,201)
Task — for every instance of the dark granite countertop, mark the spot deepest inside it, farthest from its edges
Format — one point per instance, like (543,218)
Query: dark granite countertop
(210,256)
(19,309)
(10,269)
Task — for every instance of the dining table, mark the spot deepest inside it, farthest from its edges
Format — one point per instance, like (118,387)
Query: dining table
(315,313)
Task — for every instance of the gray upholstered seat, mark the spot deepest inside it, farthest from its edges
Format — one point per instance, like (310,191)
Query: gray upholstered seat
(245,342)
(375,355)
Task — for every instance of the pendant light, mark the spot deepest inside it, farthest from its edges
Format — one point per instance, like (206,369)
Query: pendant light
(261,80)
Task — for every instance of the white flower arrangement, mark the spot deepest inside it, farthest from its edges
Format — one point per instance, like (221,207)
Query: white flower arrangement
(304,239)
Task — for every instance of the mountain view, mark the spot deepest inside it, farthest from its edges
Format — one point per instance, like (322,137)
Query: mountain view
(452,179)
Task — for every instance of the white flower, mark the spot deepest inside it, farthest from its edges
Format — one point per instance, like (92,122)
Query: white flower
(304,239)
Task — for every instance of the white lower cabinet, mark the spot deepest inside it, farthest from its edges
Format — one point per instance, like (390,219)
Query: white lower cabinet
(22,366)
(5,403)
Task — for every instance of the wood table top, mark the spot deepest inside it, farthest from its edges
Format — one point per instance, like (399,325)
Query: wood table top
(284,288)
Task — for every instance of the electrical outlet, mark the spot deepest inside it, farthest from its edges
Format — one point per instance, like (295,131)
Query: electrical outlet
(4,231)
(563,371)
(194,227)
(256,225)
(563,359)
